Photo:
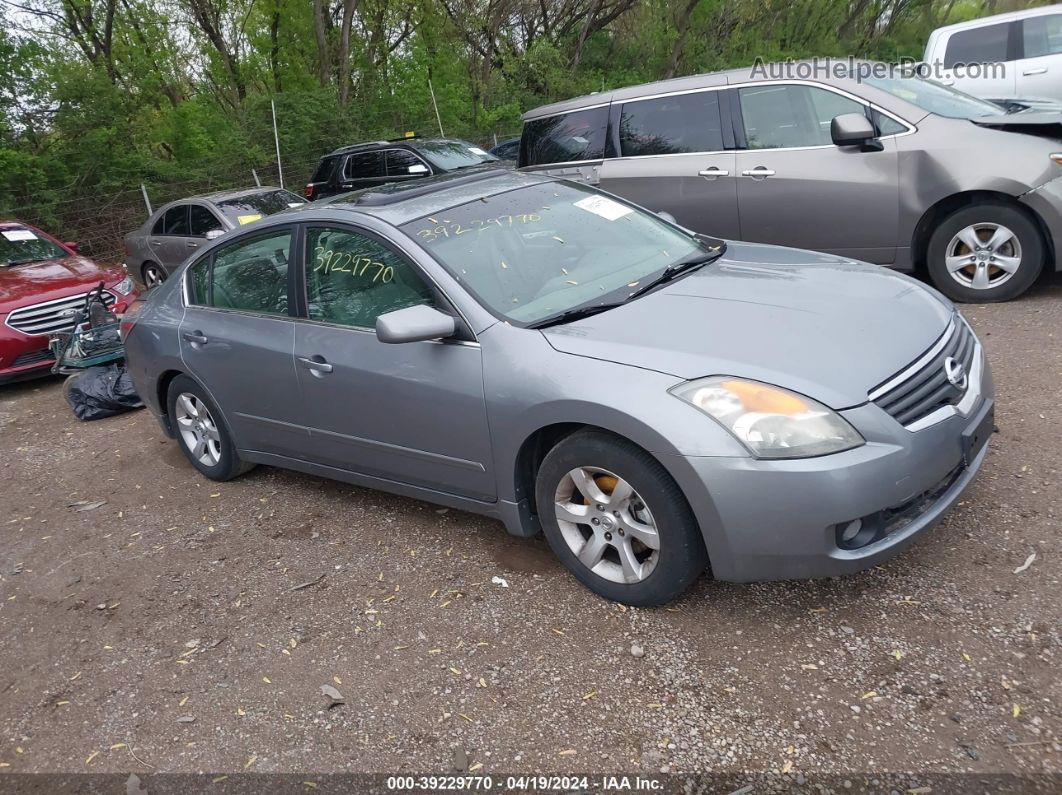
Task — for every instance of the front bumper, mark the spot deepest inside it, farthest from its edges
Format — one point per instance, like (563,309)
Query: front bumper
(772,520)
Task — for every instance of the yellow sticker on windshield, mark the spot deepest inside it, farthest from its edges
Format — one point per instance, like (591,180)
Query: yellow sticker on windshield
(246,219)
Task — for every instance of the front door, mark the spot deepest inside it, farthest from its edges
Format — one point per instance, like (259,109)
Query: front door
(412,413)
(672,160)
(795,188)
(237,338)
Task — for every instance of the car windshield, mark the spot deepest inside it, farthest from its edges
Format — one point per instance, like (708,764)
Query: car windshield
(548,248)
(19,245)
(452,155)
(934,97)
(253,206)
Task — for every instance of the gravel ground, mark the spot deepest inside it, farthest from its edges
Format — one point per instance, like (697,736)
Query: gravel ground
(188,626)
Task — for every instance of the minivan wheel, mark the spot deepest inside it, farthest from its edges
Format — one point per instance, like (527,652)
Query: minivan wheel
(617,520)
(153,275)
(985,253)
(201,431)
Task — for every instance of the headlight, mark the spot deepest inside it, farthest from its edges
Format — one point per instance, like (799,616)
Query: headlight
(125,286)
(771,422)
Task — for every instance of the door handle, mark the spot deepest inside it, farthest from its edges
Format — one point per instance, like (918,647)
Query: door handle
(711,172)
(195,337)
(191,244)
(315,364)
(1038,71)
(758,172)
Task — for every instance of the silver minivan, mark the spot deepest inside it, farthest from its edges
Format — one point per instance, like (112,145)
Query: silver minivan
(880,167)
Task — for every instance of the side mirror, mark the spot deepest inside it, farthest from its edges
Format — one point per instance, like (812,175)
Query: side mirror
(214,234)
(70,244)
(852,129)
(414,324)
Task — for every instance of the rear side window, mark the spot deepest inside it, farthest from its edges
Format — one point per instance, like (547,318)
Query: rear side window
(173,222)
(250,275)
(365,165)
(979,45)
(671,125)
(1041,36)
(324,170)
(579,135)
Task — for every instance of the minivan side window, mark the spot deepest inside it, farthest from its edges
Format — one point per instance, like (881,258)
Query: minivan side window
(365,165)
(780,116)
(352,279)
(173,222)
(671,125)
(579,135)
(1041,35)
(251,275)
(978,45)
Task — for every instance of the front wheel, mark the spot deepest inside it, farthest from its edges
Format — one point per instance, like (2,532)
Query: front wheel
(617,520)
(985,253)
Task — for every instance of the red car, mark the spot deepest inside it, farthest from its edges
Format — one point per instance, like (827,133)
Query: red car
(41,282)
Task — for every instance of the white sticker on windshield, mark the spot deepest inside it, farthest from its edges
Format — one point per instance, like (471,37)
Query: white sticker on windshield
(19,234)
(476,150)
(603,206)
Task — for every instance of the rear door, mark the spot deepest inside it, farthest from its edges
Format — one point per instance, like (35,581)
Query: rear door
(1039,72)
(570,145)
(979,60)
(237,337)
(795,188)
(673,158)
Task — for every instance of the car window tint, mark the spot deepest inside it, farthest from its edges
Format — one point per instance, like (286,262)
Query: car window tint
(403,163)
(579,135)
(352,279)
(175,221)
(324,170)
(365,165)
(1042,35)
(252,275)
(203,221)
(779,116)
(670,125)
(198,282)
(979,45)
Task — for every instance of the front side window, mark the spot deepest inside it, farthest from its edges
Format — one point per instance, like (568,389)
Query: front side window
(579,135)
(531,253)
(985,44)
(671,125)
(403,163)
(1042,35)
(780,116)
(352,279)
(251,275)
(365,165)
(203,221)
(173,222)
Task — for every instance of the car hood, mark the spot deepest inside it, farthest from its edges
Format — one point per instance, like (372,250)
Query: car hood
(1043,123)
(826,327)
(34,282)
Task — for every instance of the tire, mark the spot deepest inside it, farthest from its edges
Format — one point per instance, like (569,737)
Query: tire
(152,274)
(970,275)
(217,458)
(616,526)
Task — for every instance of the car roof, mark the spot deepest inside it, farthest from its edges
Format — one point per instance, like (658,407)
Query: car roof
(399,202)
(392,144)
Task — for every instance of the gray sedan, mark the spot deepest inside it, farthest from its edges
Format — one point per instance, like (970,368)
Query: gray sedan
(531,349)
(176,230)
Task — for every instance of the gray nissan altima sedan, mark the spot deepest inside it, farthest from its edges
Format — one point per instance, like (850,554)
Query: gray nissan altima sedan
(656,402)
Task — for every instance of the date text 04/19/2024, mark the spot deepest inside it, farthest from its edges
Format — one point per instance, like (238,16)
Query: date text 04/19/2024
(522,783)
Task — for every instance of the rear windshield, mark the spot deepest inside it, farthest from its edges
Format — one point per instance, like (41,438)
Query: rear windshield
(244,209)
(452,155)
(935,98)
(579,135)
(21,245)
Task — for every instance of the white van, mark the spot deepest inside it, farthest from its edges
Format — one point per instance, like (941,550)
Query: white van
(1022,52)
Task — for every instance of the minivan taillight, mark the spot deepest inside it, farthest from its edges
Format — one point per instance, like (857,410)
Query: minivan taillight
(308,191)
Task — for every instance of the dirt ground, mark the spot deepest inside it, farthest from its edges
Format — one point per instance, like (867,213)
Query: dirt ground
(186,626)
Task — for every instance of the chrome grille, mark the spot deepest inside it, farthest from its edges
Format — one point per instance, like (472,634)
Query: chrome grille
(923,387)
(50,316)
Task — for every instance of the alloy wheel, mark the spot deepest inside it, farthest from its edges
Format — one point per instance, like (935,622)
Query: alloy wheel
(607,525)
(198,430)
(983,256)
(153,276)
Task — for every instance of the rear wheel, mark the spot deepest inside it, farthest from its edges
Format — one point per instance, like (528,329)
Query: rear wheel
(201,431)
(153,274)
(984,253)
(617,520)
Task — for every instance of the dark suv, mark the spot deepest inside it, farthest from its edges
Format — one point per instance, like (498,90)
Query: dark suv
(377,162)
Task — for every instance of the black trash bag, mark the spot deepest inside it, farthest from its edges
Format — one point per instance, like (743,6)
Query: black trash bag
(99,392)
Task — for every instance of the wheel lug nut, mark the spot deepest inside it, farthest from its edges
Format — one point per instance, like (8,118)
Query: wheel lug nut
(595,520)
(601,507)
(608,536)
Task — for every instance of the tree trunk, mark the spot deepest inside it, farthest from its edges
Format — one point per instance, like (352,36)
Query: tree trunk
(320,31)
(349,7)
(682,26)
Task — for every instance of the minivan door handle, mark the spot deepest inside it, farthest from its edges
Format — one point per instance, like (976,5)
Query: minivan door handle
(758,173)
(712,172)
(315,364)
(1038,71)
(195,337)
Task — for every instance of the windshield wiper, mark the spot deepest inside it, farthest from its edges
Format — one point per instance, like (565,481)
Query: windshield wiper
(574,314)
(676,269)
